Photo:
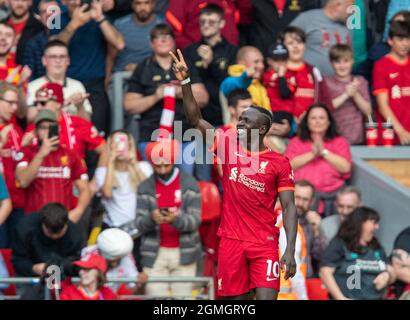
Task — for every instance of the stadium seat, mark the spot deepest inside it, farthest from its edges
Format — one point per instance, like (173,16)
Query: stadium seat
(316,290)
(211,201)
(6,253)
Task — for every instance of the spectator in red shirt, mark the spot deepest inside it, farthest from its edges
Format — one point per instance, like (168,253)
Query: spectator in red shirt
(10,147)
(76,133)
(9,70)
(391,82)
(49,171)
(183,16)
(24,24)
(319,155)
(302,75)
(347,96)
(92,280)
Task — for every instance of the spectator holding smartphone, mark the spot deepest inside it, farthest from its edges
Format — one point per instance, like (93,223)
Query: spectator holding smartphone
(49,171)
(168,216)
(118,176)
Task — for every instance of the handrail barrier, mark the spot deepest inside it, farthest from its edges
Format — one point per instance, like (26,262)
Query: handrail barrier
(209,281)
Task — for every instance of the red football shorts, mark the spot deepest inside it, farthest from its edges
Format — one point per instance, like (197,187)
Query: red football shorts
(243,266)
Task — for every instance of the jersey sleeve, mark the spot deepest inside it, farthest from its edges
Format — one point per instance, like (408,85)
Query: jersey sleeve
(285,179)
(24,158)
(380,83)
(91,135)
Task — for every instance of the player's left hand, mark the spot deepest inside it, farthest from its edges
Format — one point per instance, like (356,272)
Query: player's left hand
(179,67)
(288,263)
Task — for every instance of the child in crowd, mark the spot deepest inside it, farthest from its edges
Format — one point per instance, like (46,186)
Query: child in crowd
(346,96)
(305,77)
(391,82)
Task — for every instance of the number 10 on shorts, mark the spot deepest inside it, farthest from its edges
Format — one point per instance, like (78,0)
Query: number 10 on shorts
(273,269)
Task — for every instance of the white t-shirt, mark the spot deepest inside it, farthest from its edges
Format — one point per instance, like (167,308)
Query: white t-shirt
(71,86)
(122,207)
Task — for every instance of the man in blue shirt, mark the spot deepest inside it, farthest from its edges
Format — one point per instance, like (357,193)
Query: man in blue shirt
(136,28)
(88,31)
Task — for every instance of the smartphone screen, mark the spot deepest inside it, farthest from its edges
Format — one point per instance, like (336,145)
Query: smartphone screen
(121,142)
(53,131)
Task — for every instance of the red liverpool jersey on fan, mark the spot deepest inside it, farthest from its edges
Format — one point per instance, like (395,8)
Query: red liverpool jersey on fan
(270,80)
(304,80)
(76,134)
(54,179)
(8,154)
(251,183)
(393,77)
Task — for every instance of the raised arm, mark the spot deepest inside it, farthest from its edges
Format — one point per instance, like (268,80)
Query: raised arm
(191,108)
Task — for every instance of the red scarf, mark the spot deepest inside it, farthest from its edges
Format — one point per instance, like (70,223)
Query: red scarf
(168,113)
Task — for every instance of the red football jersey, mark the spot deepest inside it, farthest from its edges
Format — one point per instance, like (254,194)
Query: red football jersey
(55,178)
(270,80)
(251,183)
(393,77)
(76,134)
(8,154)
(304,96)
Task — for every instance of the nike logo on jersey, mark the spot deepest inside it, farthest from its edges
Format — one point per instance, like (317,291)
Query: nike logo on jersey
(393,75)
(271,279)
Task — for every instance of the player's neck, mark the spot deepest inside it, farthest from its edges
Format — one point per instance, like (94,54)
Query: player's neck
(295,64)
(253,146)
(397,57)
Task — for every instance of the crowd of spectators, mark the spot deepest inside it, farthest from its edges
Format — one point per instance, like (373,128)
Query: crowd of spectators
(99,202)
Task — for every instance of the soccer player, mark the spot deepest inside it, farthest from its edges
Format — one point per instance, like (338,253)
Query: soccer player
(253,177)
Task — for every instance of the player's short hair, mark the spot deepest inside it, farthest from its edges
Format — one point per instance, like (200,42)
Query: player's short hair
(236,95)
(55,43)
(54,216)
(267,115)
(298,32)
(340,51)
(349,189)
(213,8)
(161,28)
(404,13)
(305,183)
(399,29)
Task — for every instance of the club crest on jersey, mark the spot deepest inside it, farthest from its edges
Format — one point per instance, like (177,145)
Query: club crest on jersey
(234,174)
(64,161)
(262,167)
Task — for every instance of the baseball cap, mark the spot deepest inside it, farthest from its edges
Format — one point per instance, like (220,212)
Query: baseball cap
(162,151)
(45,114)
(92,261)
(278,51)
(114,243)
(51,90)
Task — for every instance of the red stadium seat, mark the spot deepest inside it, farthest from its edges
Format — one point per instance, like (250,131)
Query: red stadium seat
(211,201)
(316,290)
(6,253)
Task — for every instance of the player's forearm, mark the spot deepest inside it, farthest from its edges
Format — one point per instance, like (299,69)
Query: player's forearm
(290,220)
(191,108)
(200,94)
